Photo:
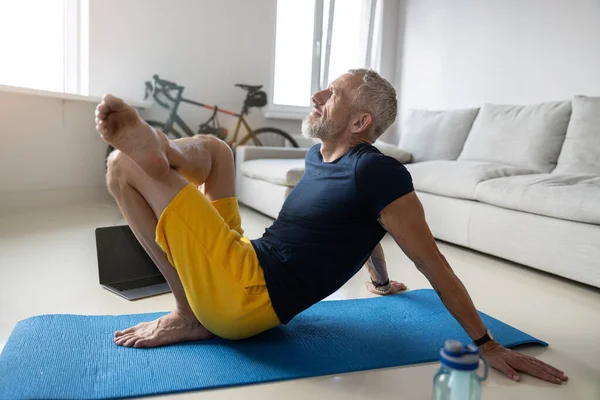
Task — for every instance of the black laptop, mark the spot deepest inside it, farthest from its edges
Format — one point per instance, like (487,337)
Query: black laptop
(124,268)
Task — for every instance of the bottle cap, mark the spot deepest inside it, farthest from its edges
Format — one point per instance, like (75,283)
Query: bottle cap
(457,356)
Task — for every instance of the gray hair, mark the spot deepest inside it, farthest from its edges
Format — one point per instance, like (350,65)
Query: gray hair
(377,96)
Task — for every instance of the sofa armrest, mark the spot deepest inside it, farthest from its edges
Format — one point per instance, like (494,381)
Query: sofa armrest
(247,153)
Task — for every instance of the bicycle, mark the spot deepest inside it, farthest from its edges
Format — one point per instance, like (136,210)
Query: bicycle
(164,91)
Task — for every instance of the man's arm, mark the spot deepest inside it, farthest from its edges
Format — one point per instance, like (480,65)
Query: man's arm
(380,282)
(404,219)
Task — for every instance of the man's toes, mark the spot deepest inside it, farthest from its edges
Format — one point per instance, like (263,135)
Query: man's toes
(141,343)
(102,126)
(98,119)
(113,103)
(102,109)
(121,342)
(123,339)
(124,332)
(131,341)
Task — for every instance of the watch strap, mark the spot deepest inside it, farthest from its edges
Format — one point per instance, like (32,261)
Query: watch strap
(484,339)
(380,284)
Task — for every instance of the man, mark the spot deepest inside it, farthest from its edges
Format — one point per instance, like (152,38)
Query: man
(348,198)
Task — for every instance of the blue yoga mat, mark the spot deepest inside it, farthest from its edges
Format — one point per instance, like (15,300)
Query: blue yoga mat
(73,356)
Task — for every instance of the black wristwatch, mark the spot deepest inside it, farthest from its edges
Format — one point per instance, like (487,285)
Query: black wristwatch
(483,340)
(378,284)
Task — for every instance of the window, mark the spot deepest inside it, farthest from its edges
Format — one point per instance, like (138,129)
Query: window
(44,44)
(315,42)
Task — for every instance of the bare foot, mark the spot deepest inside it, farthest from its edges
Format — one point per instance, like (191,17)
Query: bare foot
(120,126)
(393,288)
(168,329)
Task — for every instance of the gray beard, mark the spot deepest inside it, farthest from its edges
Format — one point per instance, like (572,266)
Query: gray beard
(317,129)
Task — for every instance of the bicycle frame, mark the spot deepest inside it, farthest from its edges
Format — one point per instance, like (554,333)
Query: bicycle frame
(174,118)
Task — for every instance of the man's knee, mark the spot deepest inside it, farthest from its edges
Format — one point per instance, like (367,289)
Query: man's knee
(116,171)
(220,183)
(210,142)
(220,150)
(217,150)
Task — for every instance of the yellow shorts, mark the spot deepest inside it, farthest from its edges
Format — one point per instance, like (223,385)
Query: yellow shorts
(218,267)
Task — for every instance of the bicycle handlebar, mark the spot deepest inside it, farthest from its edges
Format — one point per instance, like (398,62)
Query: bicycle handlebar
(161,86)
(166,85)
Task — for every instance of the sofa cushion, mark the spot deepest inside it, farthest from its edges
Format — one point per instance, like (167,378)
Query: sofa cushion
(523,136)
(574,197)
(457,178)
(581,150)
(393,151)
(436,135)
(284,172)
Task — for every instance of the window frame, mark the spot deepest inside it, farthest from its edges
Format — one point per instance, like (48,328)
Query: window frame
(320,49)
(282,111)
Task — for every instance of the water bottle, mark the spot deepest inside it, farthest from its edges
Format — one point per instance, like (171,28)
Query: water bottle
(457,378)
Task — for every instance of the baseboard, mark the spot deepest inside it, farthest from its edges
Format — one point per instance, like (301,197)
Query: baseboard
(51,198)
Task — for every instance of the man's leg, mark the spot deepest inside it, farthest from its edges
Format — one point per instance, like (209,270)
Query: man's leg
(181,324)
(141,198)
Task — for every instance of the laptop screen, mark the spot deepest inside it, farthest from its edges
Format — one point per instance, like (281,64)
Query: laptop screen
(121,257)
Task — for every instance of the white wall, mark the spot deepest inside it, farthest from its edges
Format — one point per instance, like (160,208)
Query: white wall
(463,53)
(48,144)
(207,46)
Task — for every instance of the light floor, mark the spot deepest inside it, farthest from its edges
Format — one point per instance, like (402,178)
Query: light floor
(48,265)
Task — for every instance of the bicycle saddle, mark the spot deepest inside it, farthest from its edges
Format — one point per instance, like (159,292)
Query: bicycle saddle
(250,88)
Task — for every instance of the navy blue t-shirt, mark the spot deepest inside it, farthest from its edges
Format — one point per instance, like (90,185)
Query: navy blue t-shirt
(328,226)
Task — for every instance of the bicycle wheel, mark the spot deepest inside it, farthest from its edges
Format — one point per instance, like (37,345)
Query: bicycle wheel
(172,134)
(269,137)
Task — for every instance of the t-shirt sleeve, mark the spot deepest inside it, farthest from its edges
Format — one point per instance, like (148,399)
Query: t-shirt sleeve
(380,180)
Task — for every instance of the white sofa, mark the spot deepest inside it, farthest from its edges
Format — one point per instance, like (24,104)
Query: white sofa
(517,182)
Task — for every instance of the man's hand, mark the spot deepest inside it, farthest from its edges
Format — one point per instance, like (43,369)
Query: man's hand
(393,288)
(509,362)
